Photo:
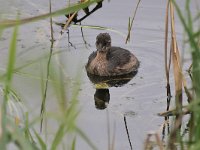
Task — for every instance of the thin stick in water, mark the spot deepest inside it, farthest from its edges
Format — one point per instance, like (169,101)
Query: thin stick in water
(126,127)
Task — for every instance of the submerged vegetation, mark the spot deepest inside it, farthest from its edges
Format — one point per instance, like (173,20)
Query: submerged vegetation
(18,130)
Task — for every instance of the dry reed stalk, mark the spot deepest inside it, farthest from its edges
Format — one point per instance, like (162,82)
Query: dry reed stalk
(173,112)
(178,80)
(131,23)
(159,142)
(167,65)
(148,144)
(177,70)
(69,20)
(176,60)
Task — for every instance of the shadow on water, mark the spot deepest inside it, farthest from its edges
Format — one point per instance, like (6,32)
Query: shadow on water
(102,84)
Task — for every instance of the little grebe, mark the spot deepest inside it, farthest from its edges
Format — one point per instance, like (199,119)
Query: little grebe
(109,60)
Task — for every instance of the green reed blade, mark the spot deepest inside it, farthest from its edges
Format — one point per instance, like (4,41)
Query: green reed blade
(82,134)
(74,144)
(8,79)
(100,28)
(58,137)
(40,140)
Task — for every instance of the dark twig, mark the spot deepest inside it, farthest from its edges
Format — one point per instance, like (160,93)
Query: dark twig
(98,6)
(190,72)
(85,42)
(66,25)
(126,127)
(68,10)
(69,42)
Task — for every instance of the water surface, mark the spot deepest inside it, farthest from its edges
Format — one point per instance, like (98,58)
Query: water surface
(139,100)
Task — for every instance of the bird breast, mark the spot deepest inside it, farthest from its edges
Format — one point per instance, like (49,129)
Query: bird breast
(99,64)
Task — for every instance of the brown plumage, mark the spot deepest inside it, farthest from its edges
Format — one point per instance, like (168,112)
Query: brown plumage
(109,60)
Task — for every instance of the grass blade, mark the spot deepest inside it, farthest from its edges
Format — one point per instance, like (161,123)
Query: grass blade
(16,136)
(74,144)
(82,134)
(8,80)
(99,28)
(131,24)
(58,137)
(41,142)
(43,106)
(187,29)
(195,51)
(189,16)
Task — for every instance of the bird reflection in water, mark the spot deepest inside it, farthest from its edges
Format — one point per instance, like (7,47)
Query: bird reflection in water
(102,85)
(101,98)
